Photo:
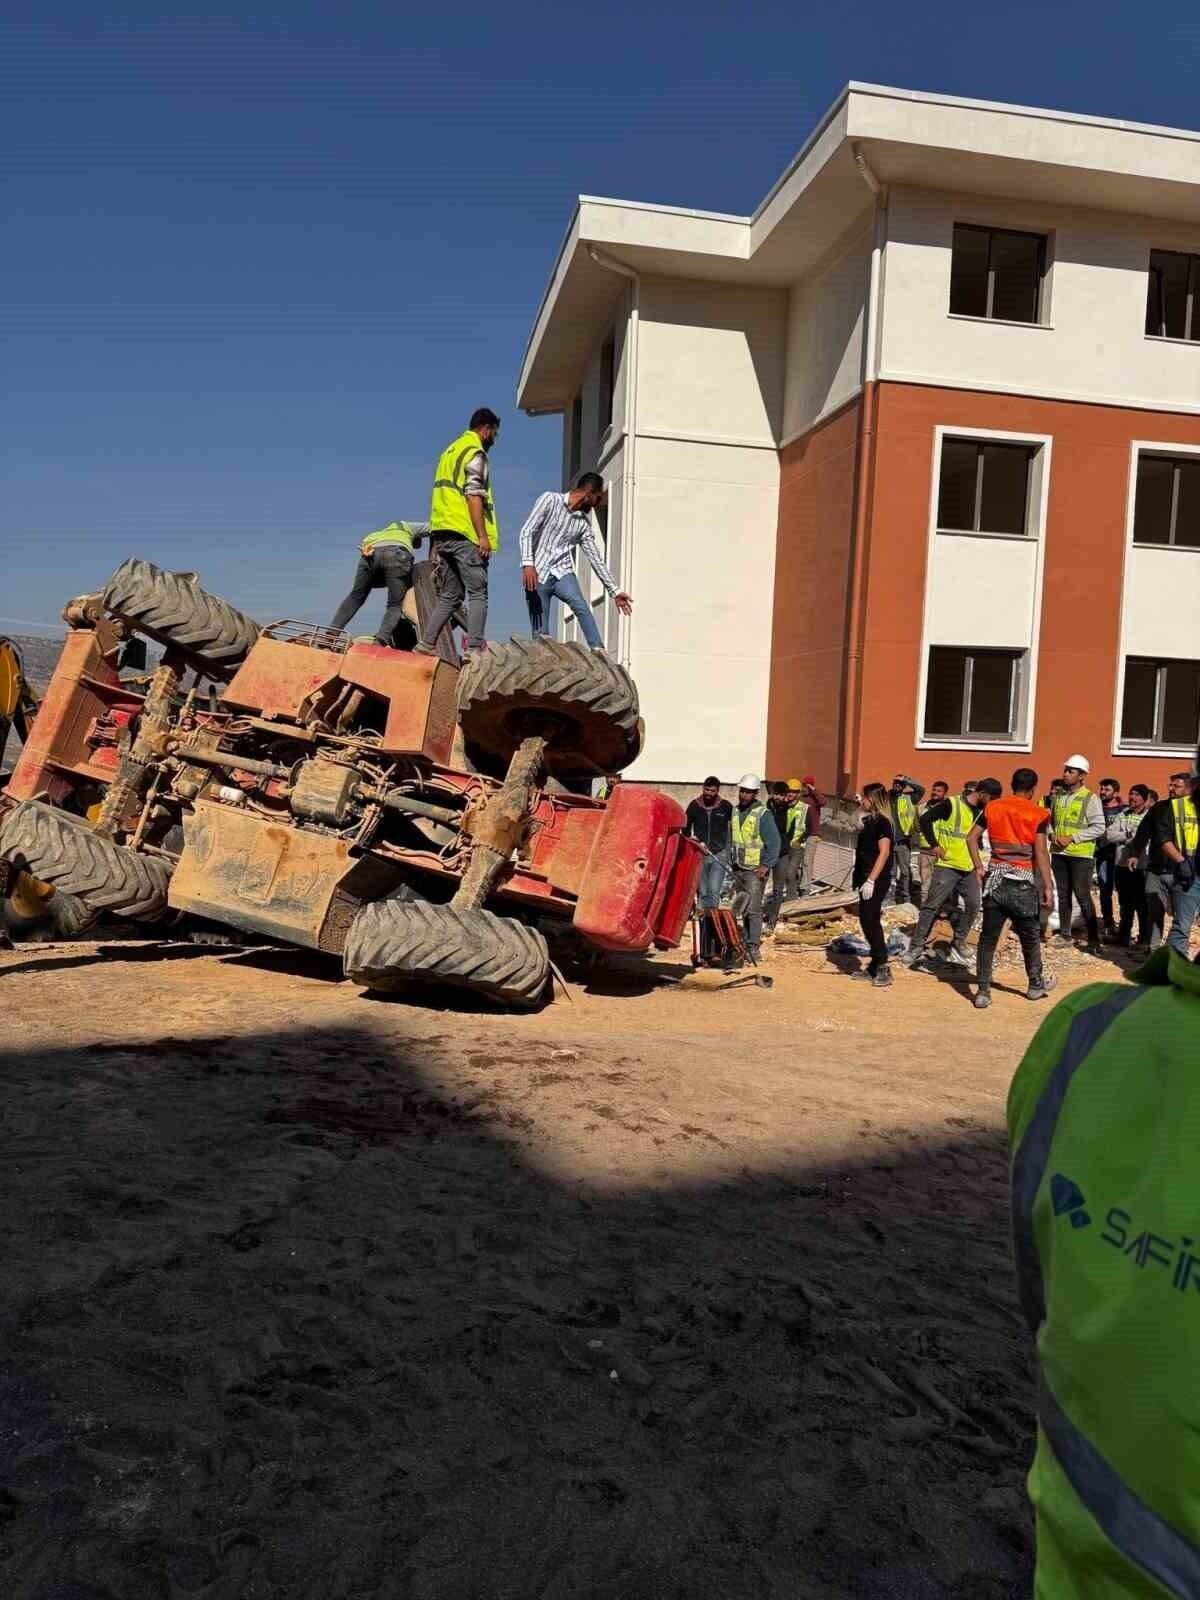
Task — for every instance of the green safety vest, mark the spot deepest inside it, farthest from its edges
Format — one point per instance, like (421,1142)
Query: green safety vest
(951,833)
(746,834)
(394,533)
(1068,810)
(795,823)
(448,511)
(1102,1116)
(906,816)
(1187,827)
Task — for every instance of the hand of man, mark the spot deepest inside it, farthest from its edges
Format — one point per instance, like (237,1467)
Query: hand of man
(1132,863)
(761,872)
(1047,896)
(867,890)
(940,852)
(529,578)
(624,603)
(485,549)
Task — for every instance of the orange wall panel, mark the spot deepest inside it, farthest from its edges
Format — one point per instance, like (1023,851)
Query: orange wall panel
(1082,583)
(812,566)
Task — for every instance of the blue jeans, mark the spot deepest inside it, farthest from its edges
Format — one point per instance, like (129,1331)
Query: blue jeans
(712,881)
(1185,903)
(566,587)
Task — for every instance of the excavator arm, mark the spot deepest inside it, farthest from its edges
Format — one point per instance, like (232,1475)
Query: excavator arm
(17,704)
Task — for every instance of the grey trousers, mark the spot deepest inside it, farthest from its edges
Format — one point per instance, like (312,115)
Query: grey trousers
(944,883)
(902,877)
(747,905)
(785,875)
(463,571)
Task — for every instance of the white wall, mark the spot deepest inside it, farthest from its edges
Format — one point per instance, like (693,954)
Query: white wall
(825,321)
(703,588)
(1094,345)
(1161,613)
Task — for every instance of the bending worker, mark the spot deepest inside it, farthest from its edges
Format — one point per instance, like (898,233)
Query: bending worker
(556,527)
(463,532)
(1101,1120)
(754,849)
(385,561)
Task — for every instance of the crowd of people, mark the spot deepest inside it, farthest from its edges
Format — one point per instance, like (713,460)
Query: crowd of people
(1037,862)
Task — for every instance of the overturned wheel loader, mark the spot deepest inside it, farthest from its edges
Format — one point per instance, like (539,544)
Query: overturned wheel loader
(375,804)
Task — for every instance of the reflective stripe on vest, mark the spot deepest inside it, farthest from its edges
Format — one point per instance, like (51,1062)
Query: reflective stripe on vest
(746,834)
(1068,817)
(906,815)
(1134,1529)
(448,512)
(395,533)
(951,833)
(1187,827)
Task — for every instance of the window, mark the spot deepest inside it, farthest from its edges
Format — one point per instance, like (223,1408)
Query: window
(1162,703)
(996,273)
(575,440)
(608,363)
(1166,506)
(984,487)
(972,693)
(1173,295)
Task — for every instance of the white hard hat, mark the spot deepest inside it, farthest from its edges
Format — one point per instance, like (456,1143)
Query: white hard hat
(1081,762)
(750,780)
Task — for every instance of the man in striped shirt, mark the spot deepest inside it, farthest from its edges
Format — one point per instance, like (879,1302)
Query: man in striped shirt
(556,527)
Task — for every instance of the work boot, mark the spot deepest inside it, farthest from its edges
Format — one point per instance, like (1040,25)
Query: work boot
(914,954)
(1093,949)
(863,975)
(1040,987)
(883,978)
(982,1000)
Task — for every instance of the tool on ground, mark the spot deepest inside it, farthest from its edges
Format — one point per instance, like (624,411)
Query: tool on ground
(759,979)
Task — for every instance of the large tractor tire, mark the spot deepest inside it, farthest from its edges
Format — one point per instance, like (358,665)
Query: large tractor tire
(63,851)
(396,943)
(172,608)
(581,700)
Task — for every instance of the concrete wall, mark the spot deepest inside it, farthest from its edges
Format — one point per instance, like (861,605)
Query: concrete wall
(1086,592)
(826,314)
(1091,344)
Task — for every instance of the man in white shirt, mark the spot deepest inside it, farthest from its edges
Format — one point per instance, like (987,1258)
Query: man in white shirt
(556,527)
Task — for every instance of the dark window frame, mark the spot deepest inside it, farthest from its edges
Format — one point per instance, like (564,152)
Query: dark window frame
(1156,739)
(608,380)
(1019,664)
(1155,299)
(1043,256)
(1178,463)
(1031,452)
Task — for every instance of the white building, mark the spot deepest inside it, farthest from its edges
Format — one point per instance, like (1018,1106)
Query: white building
(904,467)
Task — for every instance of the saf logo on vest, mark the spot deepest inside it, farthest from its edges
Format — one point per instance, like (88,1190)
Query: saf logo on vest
(1144,1248)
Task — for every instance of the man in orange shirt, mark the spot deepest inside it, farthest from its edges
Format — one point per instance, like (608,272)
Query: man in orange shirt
(1016,882)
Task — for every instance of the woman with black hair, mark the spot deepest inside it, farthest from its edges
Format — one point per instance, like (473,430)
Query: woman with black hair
(873,858)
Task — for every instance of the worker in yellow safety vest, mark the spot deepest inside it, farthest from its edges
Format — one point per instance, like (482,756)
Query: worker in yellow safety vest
(385,561)
(753,851)
(1176,839)
(463,531)
(1101,1117)
(945,825)
(1076,822)
(904,800)
(790,813)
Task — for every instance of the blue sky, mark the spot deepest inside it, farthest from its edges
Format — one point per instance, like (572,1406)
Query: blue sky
(260,266)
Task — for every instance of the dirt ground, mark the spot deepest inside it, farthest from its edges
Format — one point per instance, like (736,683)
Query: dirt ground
(662,1292)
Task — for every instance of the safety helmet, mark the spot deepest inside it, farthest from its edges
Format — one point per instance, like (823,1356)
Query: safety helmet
(750,780)
(795,785)
(1078,761)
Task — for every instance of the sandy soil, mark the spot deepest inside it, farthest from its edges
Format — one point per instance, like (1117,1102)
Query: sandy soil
(663,1292)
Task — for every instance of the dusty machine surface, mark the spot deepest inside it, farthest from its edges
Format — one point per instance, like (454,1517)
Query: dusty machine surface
(375,804)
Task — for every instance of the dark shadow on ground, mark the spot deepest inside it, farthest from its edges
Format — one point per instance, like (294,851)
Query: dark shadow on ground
(283,1320)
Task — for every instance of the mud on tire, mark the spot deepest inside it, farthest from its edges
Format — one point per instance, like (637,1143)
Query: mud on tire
(64,851)
(588,703)
(394,943)
(172,608)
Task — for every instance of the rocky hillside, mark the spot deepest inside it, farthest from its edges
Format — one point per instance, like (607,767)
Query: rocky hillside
(38,657)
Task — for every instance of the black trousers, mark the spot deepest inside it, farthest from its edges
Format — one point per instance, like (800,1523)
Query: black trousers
(1106,880)
(870,917)
(1017,903)
(1073,879)
(1131,893)
(389,566)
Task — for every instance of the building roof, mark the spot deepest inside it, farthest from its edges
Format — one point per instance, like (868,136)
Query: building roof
(898,136)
